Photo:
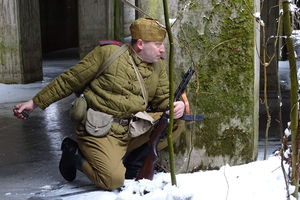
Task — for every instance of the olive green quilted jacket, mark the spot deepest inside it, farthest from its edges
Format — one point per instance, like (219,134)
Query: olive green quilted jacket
(116,91)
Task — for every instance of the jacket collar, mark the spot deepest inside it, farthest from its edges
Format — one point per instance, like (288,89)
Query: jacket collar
(135,57)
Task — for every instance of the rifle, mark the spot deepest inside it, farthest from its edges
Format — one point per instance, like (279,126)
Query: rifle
(159,130)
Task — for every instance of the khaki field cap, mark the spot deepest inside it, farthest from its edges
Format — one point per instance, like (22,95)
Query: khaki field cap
(148,30)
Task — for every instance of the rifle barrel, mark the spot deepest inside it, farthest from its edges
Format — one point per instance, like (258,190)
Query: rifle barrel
(186,78)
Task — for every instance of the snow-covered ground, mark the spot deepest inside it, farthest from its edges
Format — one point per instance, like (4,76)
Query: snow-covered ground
(260,180)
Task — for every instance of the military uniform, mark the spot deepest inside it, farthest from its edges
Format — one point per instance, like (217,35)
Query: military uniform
(116,92)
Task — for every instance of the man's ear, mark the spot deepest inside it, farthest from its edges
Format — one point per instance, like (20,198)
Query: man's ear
(139,44)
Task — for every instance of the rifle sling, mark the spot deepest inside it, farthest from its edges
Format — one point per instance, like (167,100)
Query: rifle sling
(111,59)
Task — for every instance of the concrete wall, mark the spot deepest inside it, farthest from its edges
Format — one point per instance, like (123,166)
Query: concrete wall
(129,17)
(20,42)
(153,8)
(219,37)
(95,23)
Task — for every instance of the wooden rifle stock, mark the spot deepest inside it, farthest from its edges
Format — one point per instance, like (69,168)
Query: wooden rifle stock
(147,170)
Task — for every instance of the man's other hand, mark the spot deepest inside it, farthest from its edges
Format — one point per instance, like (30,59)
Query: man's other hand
(178,109)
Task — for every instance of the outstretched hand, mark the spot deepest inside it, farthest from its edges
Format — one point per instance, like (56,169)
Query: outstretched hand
(178,109)
(29,106)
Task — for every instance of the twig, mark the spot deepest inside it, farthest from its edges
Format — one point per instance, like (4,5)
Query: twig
(188,49)
(276,38)
(225,41)
(284,174)
(162,167)
(226,183)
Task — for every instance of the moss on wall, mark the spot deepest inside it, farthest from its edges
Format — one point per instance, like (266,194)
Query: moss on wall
(220,35)
(9,63)
(154,8)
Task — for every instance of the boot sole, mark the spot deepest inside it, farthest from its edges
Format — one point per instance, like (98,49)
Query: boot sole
(68,148)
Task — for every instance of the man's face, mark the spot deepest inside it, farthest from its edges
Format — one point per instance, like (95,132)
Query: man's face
(152,51)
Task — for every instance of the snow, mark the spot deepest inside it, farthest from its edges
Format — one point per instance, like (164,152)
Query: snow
(172,21)
(19,92)
(258,18)
(293,8)
(256,15)
(287,132)
(258,180)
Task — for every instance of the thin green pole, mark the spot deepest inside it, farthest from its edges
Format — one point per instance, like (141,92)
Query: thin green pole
(171,92)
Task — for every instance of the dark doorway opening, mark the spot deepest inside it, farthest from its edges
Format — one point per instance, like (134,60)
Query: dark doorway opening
(59,24)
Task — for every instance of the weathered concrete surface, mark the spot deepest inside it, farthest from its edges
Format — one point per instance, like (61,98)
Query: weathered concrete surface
(95,23)
(128,17)
(153,8)
(20,42)
(218,38)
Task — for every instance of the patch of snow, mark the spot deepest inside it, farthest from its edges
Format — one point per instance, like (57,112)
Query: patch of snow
(258,180)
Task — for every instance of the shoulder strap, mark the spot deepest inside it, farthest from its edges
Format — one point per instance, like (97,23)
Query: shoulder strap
(111,59)
(141,81)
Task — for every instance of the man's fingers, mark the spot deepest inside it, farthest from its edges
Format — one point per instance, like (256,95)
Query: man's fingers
(19,115)
(19,110)
(178,108)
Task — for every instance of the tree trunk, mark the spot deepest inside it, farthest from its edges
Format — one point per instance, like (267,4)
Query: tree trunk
(294,94)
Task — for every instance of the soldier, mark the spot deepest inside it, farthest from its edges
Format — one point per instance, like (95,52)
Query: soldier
(118,93)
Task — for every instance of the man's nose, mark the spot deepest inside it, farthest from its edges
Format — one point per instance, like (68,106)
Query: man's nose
(162,48)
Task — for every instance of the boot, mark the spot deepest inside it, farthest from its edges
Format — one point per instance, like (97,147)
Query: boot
(134,160)
(70,159)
